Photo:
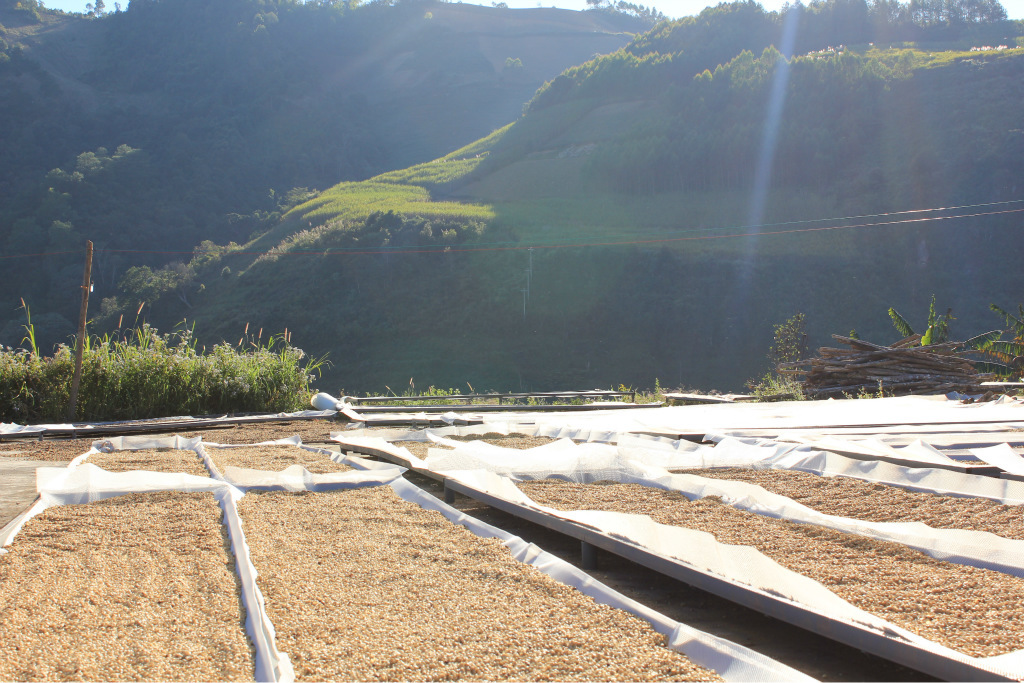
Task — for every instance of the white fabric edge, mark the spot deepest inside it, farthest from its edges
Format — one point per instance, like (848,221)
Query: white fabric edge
(378,443)
(298,478)
(1001,456)
(294,480)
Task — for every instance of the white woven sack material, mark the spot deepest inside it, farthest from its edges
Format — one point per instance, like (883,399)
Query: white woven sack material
(586,433)
(378,443)
(567,459)
(1001,456)
(558,458)
(740,565)
(916,452)
(922,451)
(14,428)
(730,660)
(358,463)
(659,443)
(87,483)
(138,443)
(396,434)
(926,479)
(742,451)
(775,416)
(298,478)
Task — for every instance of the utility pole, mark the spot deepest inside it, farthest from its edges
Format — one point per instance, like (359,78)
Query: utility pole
(529,276)
(80,346)
(523,290)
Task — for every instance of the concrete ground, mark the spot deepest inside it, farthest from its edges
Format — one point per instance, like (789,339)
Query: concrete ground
(18,490)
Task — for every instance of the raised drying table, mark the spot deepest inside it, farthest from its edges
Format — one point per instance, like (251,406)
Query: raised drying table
(852,634)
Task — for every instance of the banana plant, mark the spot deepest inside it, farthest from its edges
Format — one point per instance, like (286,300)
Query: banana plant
(938,325)
(1007,354)
(1001,357)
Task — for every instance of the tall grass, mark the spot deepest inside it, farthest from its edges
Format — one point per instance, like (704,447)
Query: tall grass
(143,374)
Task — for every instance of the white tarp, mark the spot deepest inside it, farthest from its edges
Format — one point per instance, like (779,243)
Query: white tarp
(731,661)
(12,428)
(86,483)
(916,452)
(929,480)
(809,416)
(1001,456)
(636,464)
(296,477)
(740,565)
(81,482)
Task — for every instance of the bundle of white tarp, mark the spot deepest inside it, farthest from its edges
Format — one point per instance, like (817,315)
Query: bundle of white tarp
(82,482)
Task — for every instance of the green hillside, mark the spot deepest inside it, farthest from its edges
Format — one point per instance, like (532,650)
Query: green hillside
(166,123)
(657,210)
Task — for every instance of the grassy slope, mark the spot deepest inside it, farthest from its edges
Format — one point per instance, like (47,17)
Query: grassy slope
(218,131)
(650,297)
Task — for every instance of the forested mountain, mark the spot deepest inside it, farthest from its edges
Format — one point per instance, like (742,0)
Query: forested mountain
(154,127)
(654,211)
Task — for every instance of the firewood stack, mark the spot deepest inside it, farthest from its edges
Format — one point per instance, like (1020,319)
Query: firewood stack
(901,369)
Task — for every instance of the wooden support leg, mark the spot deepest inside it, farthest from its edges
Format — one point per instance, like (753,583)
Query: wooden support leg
(589,553)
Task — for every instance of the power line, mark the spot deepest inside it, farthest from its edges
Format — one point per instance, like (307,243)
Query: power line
(663,237)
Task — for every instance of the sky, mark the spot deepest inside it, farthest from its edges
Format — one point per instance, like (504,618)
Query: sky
(671,8)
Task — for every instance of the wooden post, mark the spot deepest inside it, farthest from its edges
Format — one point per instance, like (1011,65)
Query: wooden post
(80,345)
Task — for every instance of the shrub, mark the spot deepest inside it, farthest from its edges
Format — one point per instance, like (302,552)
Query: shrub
(145,374)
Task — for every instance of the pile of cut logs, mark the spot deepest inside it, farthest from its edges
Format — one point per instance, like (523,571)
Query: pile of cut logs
(901,369)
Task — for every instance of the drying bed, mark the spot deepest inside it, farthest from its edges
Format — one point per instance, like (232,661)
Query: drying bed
(274,458)
(136,587)
(151,460)
(876,502)
(361,585)
(965,608)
